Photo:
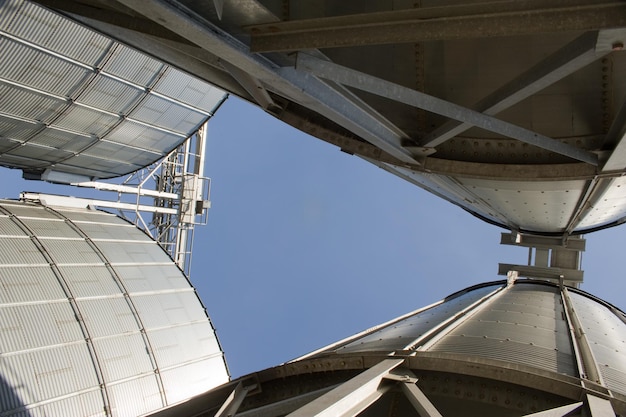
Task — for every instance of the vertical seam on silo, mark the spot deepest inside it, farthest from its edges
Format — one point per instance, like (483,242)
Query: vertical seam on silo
(73,304)
(127,298)
(428,339)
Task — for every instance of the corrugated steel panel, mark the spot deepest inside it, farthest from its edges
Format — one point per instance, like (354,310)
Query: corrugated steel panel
(57,33)
(141,136)
(79,405)
(169,309)
(55,323)
(39,153)
(86,121)
(26,285)
(110,95)
(135,397)
(133,66)
(607,337)
(67,141)
(189,90)
(30,105)
(123,356)
(609,208)
(41,71)
(137,252)
(119,314)
(400,334)
(534,332)
(184,343)
(24,210)
(9,228)
(168,115)
(71,252)
(89,281)
(45,358)
(50,228)
(108,151)
(199,376)
(151,277)
(14,251)
(109,232)
(16,131)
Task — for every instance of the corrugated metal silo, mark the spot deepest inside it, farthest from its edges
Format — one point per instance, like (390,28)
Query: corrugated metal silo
(95,318)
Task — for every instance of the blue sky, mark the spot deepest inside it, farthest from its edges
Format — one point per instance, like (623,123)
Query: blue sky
(306,245)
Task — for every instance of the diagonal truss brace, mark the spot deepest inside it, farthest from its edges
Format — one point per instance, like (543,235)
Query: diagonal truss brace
(579,53)
(383,88)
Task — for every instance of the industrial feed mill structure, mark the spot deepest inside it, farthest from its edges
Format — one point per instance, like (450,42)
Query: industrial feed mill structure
(512,110)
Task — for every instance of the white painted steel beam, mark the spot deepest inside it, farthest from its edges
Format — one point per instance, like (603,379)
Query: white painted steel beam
(233,401)
(383,88)
(353,396)
(419,400)
(600,407)
(104,186)
(577,54)
(557,412)
(299,87)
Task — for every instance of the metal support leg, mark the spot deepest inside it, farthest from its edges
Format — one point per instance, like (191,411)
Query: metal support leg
(600,407)
(419,400)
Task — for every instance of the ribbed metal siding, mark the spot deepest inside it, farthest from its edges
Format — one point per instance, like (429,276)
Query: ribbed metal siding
(526,324)
(606,334)
(400,334)
(117,324)
(59,75)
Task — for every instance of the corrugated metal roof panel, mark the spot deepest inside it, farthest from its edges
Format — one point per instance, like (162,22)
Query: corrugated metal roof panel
(39,26)
(14,251)
(67,141)
(152,277)
(137,252)
(25,285)
(110,95)
(39,153)
(189,90)
(119,314)
(16,130)
(185,343)
(169,309)
(9,228)
(50,228)
(133,66)
(198,375)
(136,397)
(141,136)
(166,114)
(539,338)
(71,251)
(89,281)
(607,337)
(98,231)
(79,405)
(29,105)
(26,210)
(123,356)
(108,151)
(41,71)
(400,334)
(86,121)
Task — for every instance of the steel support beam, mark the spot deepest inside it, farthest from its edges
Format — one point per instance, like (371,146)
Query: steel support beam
(383,88)
(600,407)
(504,18)
(419,400)
(579,53)
(616,138)
(299,87)
(233,401)
(557,412)
(353,396)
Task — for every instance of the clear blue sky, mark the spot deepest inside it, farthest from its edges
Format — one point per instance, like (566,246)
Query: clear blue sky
(307,245)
